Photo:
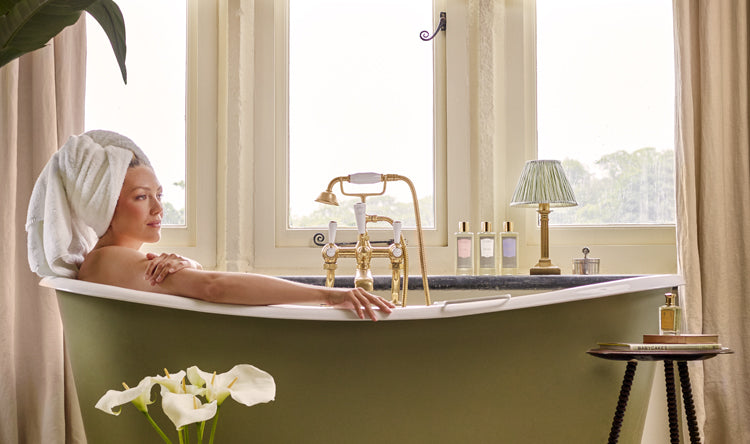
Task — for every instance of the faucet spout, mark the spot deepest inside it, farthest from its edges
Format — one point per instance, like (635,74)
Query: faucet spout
(363,254)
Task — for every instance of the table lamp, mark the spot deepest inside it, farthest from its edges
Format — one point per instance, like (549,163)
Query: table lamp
(543,184)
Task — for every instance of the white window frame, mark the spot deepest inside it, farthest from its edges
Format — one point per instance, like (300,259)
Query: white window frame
(197,238)
(277,250)
(630,248)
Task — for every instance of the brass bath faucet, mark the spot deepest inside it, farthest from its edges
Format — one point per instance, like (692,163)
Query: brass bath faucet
(363,251)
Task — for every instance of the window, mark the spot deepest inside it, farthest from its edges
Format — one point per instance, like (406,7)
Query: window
(470,182)
(351,95)
(605,107)
(360,99)
(168,108)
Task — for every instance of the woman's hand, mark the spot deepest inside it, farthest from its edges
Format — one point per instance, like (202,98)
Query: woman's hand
(161,266)
(358,300)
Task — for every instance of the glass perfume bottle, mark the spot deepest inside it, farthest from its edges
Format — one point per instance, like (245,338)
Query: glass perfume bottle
(464,250)
(509,245)
(670,316)
(487,240)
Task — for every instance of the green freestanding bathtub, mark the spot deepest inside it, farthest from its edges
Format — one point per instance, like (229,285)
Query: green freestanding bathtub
(502,370)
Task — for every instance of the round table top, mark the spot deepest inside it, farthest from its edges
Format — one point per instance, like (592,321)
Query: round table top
(658,355)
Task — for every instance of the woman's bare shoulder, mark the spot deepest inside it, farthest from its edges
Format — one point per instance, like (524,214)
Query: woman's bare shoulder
(112,265)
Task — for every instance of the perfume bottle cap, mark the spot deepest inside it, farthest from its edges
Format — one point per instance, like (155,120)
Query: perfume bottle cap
(486,226)
(507,226)
(671,298)
(463,226)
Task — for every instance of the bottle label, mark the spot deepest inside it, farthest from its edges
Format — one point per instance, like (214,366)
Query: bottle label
(667,320)
(487,253)
(487,247)
(510,255)
(464,255)
(464,248)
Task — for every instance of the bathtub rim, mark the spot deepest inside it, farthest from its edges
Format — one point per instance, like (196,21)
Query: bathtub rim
(438,310)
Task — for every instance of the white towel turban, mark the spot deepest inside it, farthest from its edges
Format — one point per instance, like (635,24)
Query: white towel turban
(74,199)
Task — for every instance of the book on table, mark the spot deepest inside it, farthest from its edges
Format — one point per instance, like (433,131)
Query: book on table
(681,339)
(667,342)
(655,347)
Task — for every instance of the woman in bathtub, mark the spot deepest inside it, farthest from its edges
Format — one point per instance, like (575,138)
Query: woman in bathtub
(115,258)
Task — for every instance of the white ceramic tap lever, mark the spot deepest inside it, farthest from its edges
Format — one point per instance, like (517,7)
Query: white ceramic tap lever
(365,178)
(397,247)
(397,231)
(332,232)
(359,215)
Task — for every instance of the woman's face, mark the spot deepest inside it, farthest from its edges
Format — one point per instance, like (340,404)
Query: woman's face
(138,213)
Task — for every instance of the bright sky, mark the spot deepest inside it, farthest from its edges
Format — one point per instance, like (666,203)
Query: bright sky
(605,77)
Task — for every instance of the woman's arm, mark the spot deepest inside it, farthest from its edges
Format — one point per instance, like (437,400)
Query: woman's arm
(161,266)
(125,267)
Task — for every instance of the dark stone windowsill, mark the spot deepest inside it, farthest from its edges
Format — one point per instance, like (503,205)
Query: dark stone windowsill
(516,282)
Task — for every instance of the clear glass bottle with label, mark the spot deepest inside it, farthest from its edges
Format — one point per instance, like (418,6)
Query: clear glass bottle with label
(464,250)
(509,246)
(487,249)
(670,316)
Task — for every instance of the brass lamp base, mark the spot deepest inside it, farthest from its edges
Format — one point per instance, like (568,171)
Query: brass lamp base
(552,269)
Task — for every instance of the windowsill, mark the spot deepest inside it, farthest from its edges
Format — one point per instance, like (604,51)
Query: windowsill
(515,282)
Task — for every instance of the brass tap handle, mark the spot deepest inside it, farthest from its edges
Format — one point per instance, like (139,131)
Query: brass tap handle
(395,284)
(396,254)
(330,274)
(330,255)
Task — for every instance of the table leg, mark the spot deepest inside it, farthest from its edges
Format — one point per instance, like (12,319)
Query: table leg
(674,430)
(687,397)
(622,402)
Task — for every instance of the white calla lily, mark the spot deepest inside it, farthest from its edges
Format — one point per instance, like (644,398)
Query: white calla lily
(140,396)
(184,409)
(175,383)
(246,384)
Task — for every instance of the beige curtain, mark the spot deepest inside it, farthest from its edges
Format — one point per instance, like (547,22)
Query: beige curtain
(713,202)
(41,104)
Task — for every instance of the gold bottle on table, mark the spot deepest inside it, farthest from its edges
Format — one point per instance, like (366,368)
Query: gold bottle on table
(670,316)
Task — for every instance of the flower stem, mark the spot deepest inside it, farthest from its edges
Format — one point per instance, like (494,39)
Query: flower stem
(213,427)
(156,427)
(201,428)
(179,435)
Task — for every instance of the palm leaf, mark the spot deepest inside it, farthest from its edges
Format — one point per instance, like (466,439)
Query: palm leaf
(109,16)
(27,25)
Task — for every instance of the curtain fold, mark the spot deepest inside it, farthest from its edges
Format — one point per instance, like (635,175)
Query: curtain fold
(41,104)
(713,202)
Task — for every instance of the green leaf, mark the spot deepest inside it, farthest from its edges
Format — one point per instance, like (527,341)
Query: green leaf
(27,25)
(109,16)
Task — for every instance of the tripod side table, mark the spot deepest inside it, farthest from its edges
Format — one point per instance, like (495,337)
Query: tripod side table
(668,356)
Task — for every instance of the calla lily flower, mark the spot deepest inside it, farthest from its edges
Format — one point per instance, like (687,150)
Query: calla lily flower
(140,396)
(172,382)
(175,383)
(246,384)
(184,409)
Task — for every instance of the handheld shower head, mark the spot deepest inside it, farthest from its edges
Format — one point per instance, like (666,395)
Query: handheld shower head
(328,198)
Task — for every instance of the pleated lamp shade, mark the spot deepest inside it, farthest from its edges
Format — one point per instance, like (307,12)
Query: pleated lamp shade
(543,181)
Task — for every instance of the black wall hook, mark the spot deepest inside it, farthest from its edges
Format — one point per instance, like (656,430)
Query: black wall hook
(425,35)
